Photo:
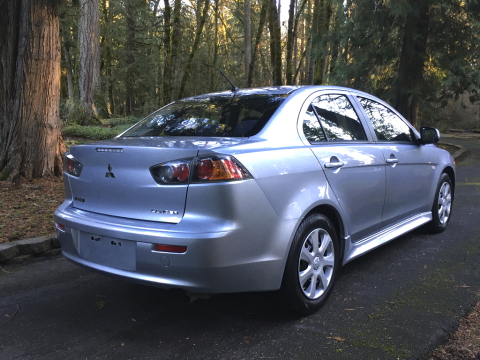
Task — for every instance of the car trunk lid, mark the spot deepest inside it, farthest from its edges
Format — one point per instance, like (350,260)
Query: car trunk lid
(116,180)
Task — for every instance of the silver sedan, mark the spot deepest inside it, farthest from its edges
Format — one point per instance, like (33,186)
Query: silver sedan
(253,190)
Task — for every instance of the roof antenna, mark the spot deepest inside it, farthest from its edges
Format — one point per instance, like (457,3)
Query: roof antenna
(234,88)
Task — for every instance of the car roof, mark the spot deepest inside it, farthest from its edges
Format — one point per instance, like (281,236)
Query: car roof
(267,90)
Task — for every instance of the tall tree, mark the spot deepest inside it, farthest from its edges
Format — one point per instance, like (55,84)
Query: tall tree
(258,39)
(31,143)
(167,90)
(196,42)
(248,37)
(171,66)
(89,54)
(410,78)
(130,57)
(322,14)
(275,42)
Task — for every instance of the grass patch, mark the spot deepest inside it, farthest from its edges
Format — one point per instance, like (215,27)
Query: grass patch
(108,129)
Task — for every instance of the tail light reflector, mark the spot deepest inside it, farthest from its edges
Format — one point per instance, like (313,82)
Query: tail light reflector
(171,248)
(71,165)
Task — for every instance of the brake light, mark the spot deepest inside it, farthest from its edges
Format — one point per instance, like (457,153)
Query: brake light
(71,165)
(199,169)
(219,168)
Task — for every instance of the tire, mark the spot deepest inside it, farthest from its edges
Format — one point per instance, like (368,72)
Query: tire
(312,265)
(442,205)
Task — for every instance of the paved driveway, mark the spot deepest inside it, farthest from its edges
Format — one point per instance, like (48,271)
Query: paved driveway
(397,302)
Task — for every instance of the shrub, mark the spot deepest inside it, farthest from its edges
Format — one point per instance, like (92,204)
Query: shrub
(93,132)
(129,120)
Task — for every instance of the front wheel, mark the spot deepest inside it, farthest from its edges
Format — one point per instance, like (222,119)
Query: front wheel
(312,265)
(442,205)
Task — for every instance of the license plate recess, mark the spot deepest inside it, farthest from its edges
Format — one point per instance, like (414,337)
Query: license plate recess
(104,250)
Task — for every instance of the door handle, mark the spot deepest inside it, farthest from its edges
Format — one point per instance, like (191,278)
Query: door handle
(336,164)
(392,161)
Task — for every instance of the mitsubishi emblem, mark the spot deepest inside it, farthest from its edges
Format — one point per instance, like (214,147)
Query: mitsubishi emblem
(109,173)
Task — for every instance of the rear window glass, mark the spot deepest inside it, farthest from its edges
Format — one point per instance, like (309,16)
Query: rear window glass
(220,115)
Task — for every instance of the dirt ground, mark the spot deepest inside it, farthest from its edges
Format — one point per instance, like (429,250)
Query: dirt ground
(465,343)
(26,209)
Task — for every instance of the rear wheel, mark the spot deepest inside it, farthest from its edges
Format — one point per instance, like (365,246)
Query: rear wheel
(312,265)
(442,205)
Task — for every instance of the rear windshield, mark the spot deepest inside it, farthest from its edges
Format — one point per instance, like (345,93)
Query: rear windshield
(219,115)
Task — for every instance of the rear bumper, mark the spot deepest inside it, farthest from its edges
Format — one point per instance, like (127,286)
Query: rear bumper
(246,255)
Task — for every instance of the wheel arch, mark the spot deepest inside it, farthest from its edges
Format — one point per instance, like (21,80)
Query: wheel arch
(334,216)
(451,173)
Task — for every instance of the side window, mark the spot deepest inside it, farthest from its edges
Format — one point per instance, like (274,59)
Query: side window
(387,125)
(337,117)
(311,126)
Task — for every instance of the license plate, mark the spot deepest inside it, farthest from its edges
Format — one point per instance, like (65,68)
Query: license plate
(103,250)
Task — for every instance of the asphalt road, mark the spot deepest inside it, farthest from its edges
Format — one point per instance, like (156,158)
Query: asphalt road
(397,302)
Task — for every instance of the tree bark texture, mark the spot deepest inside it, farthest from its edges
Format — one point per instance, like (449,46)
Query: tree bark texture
(248,37)
(196,42)
(130,58)
(412,60)
(322,14)
(258,39)
(166,97)
(69,71)
(213,70)
(89,53)
(275,43)
(31,142)
(176,30)
(290,42)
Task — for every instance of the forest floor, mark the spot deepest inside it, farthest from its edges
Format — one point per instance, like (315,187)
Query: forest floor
(26,210)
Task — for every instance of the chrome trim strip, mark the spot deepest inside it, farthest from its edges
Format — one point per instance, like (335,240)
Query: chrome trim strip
(355,249)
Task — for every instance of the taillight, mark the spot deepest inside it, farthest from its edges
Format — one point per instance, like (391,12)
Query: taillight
(218,168)
(199,170)
(171,173)
(71,165)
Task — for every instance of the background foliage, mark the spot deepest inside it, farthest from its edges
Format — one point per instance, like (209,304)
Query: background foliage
(145,43)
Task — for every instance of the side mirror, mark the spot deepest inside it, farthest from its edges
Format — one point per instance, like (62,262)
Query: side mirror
(429,135)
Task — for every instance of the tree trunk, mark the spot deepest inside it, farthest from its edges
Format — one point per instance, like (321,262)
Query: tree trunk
(293,20)
(275,43)
(290,42)
(171,74)
(89,54)
(130,58)
(248,38)
(322,26)
(186,73)
(31,142)
(108,20)
(69,71)
(168,54)
(213,70)
(258,39)
(412,60)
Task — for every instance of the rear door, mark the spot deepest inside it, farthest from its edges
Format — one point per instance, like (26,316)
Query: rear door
(408,168)
(353,164)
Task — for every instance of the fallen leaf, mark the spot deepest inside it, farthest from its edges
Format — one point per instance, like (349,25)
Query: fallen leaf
(336,338)
(100,304)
